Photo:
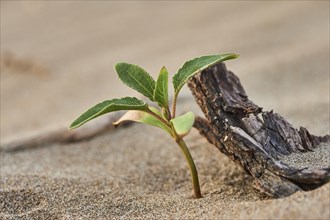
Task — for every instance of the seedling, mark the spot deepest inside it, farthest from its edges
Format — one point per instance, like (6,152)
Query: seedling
(157,92)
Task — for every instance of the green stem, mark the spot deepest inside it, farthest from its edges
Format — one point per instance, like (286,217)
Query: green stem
(169,113)
(159,118)
(193,170)
(184,149)
(174,105)
(166,113)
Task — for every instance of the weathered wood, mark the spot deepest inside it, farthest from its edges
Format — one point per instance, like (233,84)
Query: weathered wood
(234,126)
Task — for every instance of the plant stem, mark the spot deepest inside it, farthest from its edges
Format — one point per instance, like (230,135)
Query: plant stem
(169,113)
(166,113)
(174,105)
(191,164)
(159,118)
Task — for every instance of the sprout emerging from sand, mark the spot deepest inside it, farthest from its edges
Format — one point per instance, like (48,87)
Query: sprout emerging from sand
(156,91)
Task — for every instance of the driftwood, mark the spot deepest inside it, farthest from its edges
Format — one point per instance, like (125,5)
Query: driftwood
(235,127)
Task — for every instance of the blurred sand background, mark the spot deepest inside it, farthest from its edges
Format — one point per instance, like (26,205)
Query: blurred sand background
(57,60)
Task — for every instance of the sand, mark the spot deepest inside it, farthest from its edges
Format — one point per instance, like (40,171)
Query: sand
(319,158)
(61,65)
(102,179)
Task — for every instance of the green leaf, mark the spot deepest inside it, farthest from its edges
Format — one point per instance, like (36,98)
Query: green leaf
(183,123)
(127,103)
(136,78)
(143,117)
(191,67)
(161,90)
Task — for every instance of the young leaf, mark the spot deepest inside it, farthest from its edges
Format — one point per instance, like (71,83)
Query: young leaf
(136,78)
(183,123)
(127,103)
(196,65)
(161,90)
(143,117)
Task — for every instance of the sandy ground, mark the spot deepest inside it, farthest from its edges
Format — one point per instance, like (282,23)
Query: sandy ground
(57,60)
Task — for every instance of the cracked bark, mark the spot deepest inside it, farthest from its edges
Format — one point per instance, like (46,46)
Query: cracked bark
(253,138)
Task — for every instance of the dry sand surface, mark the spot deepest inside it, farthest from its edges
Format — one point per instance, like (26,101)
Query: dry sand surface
(57,60)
